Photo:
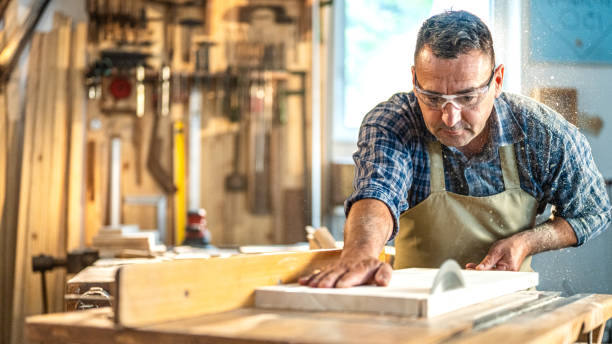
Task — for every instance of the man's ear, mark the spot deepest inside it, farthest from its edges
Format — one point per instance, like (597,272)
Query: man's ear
(499,80)
(412,70)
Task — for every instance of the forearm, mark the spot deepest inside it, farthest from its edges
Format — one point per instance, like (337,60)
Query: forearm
(551,235)
(368,227)
(509,253)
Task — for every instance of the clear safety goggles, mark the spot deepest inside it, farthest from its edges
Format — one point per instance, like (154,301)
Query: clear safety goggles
(463,100)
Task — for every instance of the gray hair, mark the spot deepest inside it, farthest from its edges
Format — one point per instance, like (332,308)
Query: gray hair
(452,33)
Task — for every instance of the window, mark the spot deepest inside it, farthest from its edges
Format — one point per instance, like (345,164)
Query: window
(374,47)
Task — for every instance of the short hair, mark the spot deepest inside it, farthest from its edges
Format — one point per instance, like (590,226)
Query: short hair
(452,33)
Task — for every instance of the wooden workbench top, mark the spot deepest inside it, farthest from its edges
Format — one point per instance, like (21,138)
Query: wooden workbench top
(560,321)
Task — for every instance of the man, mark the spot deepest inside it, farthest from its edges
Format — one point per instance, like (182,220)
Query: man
(467,166)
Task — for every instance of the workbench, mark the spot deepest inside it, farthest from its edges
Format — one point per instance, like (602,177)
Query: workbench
(221,315)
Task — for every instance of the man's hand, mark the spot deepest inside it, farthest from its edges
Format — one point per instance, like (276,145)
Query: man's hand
(508,254)
(348,272)
(367,228)
(505,254)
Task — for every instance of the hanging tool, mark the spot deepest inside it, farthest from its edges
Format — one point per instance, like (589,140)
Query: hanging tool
(188,25)
(164,109)
(179,168)
(198,98)
(235,181)
(137,121)
(140,91)
(261,93)
(163,179)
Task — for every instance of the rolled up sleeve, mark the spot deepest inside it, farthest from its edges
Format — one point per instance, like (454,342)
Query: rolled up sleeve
(577,189)
(382,165)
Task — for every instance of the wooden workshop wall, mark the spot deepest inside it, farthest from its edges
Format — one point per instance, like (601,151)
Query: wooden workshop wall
(270,209)
(135,135)
(231,217)
(109,119)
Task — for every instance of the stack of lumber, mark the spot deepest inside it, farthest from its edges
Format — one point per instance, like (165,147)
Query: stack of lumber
(43,210)
(113,241)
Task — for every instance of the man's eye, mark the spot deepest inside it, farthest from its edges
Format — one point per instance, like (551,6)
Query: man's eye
(467,100)
(432,99)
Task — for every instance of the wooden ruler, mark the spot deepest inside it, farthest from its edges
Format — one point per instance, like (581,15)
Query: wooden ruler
(153,293)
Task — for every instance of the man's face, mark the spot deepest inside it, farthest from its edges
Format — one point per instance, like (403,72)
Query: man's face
(457,121)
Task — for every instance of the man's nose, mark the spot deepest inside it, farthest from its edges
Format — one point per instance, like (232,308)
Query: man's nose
(451,114)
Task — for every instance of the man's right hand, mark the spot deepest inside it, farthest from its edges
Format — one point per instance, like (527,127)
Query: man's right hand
(368,226)
(348,272)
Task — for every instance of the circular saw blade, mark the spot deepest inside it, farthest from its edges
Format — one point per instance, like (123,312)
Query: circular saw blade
(449,277)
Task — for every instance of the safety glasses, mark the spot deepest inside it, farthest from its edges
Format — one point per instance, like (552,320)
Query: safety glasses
(464,100)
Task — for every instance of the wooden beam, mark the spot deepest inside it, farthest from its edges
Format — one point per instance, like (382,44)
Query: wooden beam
(58,127)
(152,293)
(78,123)
(21,220)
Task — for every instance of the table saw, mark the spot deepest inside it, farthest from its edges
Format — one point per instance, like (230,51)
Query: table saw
(212,301)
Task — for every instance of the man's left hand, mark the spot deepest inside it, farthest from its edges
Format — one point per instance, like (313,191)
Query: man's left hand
(505,254)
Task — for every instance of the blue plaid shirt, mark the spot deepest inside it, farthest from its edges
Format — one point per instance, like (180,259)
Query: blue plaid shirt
(554,161)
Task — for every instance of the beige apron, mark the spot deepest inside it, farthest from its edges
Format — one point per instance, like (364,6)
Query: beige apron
(448,225)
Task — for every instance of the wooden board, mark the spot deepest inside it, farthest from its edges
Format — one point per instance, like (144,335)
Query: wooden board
(150,293)
(408,293)
(21,221)
(77,127)
(561,324)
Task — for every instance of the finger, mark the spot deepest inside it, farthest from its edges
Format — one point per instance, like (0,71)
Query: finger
(489,261)
(357,277)
(314,282)
(502,267)
(330,279)
(383,275)
(304,280)
(470,266)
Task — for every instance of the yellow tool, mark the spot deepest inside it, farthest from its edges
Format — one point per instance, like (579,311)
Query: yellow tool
(180,198)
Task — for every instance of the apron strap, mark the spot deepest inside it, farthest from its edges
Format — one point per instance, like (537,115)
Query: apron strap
(509,167)
(436,167)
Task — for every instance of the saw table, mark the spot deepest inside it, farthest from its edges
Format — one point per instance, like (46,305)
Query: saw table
(212,301)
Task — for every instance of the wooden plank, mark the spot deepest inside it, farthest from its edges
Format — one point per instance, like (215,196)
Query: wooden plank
(37,230)
(41,222)
(249,325)
(76,168)
(22,221)
(7,253)
(56,203)
(152,293)
(408,293)
(4,148)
